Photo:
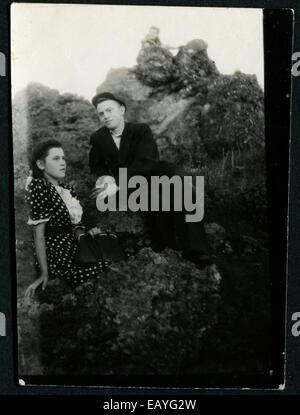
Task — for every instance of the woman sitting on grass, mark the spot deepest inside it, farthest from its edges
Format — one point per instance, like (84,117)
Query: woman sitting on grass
(55,214)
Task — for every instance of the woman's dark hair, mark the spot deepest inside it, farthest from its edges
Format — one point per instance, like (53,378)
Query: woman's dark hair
(40,152)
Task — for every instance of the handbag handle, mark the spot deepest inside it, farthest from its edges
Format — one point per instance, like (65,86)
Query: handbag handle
(99,234)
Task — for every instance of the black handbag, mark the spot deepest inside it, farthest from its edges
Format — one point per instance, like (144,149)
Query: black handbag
(104,247)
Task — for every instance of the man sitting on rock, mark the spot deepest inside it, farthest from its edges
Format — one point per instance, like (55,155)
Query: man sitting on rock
(119,144)
(152,38)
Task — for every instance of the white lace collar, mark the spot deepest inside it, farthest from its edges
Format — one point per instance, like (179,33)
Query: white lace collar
(73,204)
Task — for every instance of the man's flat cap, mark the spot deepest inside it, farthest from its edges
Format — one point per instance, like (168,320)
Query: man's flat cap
(105,96)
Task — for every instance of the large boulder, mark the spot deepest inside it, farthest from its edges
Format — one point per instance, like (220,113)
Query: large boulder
(148,315)
(155,66)
(195,71)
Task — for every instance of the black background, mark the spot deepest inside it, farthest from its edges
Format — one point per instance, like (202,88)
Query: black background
(278,50)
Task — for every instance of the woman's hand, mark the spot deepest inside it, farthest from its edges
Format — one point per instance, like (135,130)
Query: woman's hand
(78,233)
(32,287)
(94,231)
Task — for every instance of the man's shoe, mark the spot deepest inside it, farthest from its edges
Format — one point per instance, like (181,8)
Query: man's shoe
(213,272)
(200,260)
(108,334)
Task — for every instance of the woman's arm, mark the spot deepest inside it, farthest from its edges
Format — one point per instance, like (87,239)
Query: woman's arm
(40,248)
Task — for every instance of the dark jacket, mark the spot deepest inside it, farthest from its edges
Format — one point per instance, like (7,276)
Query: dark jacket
(138,152)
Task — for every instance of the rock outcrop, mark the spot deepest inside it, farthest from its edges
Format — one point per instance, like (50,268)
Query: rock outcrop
(134,320)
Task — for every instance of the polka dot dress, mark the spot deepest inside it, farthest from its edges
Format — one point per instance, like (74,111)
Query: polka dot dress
(46,205)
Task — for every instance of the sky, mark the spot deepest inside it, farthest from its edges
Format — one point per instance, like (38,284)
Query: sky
(72,47)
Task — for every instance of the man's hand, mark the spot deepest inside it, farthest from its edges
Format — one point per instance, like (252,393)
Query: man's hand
(105,186)
(97,190)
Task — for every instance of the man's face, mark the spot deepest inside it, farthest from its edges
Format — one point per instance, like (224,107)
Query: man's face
(154,32)
(111,114)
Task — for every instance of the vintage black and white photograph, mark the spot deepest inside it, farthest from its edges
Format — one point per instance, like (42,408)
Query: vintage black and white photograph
(149,92)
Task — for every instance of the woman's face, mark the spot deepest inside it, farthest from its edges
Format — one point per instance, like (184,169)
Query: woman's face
(54,164)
